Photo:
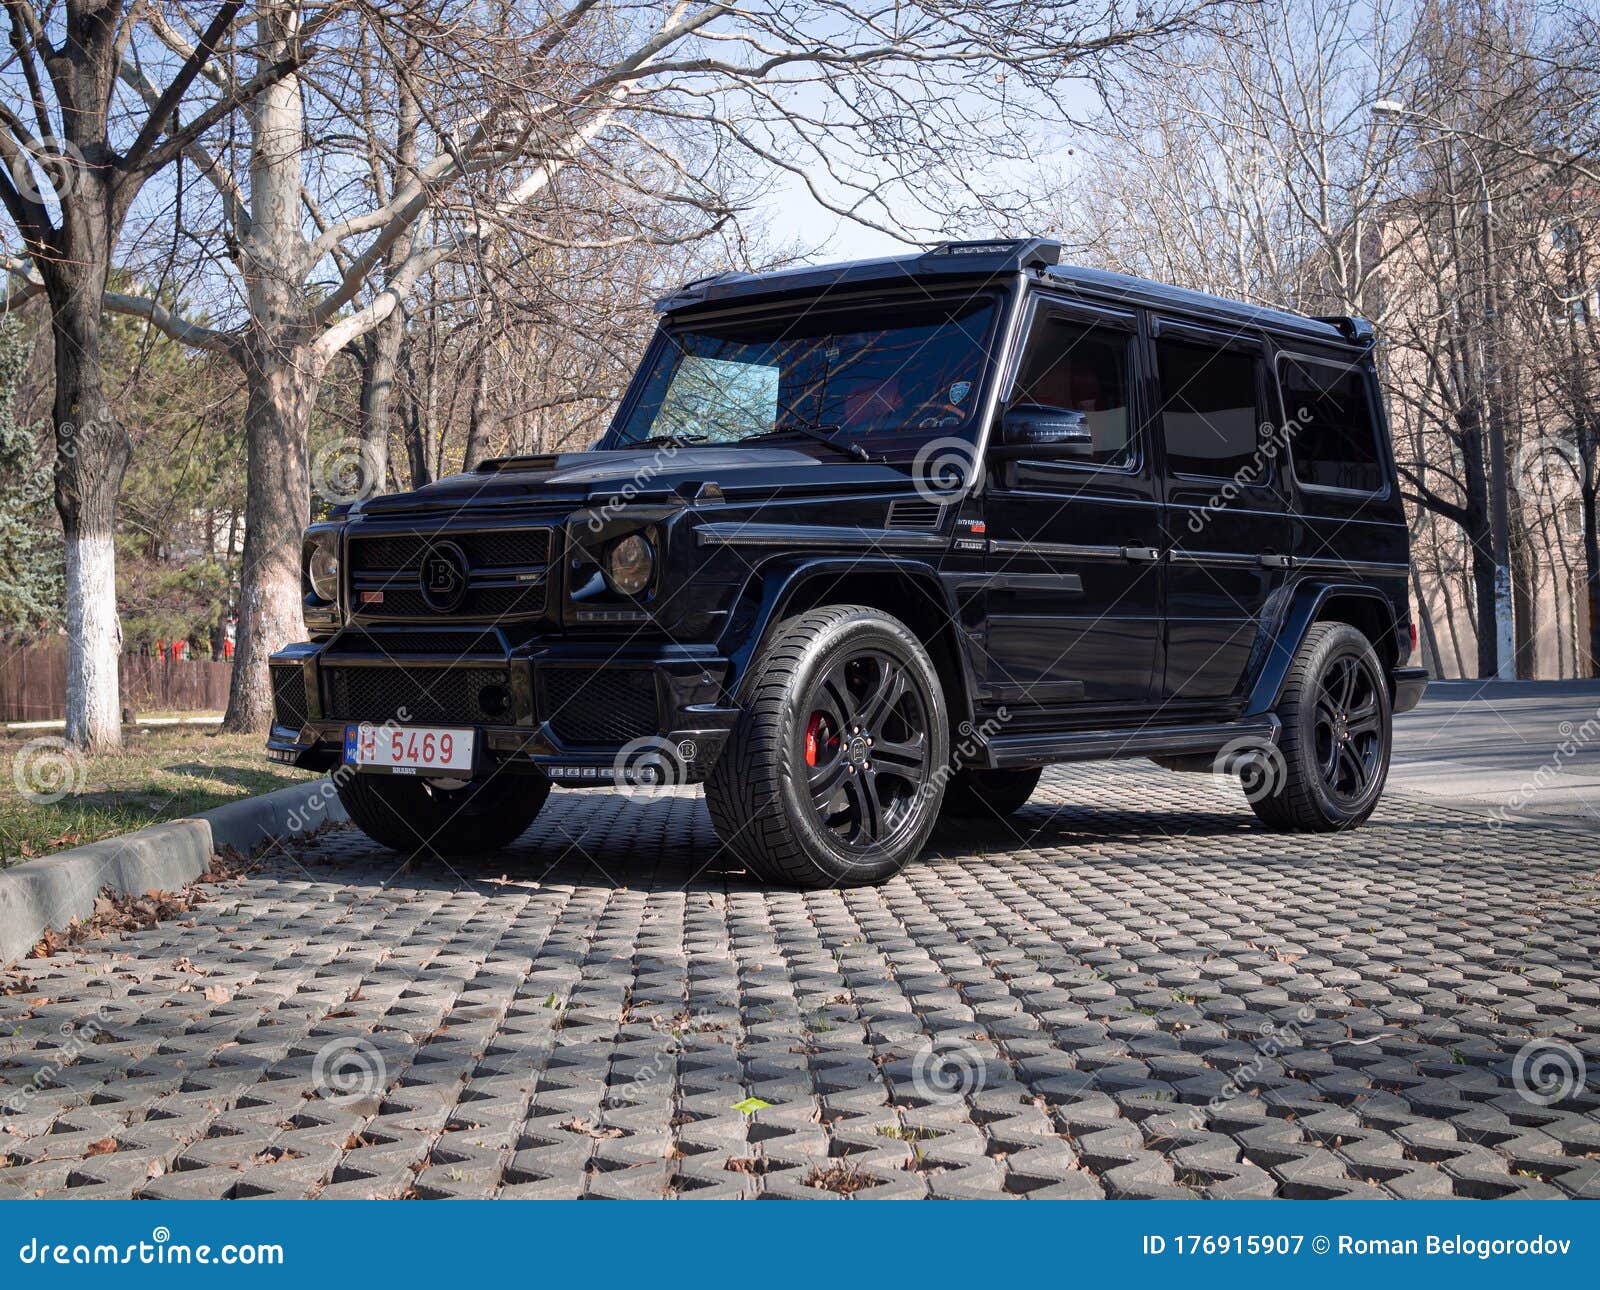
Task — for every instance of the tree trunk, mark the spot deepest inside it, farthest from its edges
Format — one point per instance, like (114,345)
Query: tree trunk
(1591,575)
(1480,538)
(1525,604)
(92,452)
(379,365)
(282,391)
(479,419)
(283,373)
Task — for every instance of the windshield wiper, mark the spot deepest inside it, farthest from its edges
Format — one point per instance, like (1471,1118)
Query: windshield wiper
(823,434)
(678,439)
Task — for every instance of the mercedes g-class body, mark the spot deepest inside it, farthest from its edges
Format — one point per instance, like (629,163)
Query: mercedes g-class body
(868,543)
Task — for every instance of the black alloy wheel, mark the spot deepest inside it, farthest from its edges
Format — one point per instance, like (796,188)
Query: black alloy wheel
(866,750)
(1331,760)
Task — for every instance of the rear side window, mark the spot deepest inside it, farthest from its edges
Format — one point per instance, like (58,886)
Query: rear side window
(1210,409)
(1333,436)
(1083,369)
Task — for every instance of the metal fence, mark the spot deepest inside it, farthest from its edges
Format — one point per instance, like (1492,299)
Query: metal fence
(33,683)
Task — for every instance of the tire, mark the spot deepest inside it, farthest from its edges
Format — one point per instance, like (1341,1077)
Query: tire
(1338,731)
(408,813)
(976,794)
(796,794)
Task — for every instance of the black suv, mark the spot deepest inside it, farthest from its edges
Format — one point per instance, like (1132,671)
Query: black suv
(871,542)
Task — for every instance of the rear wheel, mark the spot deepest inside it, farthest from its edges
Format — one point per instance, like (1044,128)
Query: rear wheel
(413,813)
(1333,754)
(976,794)
(828,777)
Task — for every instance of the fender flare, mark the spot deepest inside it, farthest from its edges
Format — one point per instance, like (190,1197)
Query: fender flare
(1305,606)
(777,584)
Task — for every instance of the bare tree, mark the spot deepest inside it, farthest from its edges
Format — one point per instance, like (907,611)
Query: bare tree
(860,101)
(74,159)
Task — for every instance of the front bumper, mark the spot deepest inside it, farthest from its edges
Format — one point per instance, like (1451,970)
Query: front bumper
(1409,683)
(580,713)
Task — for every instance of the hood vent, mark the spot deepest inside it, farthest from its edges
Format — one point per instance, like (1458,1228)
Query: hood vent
(914,514)
(495,465)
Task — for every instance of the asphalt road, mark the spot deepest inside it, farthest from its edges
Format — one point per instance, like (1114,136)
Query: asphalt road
(1522,750)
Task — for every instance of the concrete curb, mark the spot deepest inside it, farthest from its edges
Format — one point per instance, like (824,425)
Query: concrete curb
(53,890)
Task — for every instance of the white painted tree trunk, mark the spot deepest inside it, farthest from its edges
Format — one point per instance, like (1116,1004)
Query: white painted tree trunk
(94,642)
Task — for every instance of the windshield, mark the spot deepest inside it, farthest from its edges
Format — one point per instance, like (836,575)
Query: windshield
(871,370)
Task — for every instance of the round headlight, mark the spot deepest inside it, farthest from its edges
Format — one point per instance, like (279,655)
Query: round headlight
(323,567)
(631,564)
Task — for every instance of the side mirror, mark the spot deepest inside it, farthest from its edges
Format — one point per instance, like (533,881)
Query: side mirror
(1059,431)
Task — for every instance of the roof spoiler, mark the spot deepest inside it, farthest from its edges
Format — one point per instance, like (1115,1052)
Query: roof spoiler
(1356,330)
(975,258)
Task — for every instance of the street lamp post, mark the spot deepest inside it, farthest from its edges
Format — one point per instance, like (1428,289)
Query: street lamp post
(1505,654)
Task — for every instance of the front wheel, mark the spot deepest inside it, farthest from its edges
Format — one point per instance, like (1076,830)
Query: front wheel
(414,813)
(828,778)
(1333,755)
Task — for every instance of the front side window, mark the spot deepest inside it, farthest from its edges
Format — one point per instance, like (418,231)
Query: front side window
(1210,409)
(1075,368)
(876,370)
(1333,435)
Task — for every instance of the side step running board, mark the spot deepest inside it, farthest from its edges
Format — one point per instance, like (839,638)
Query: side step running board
(1035,749)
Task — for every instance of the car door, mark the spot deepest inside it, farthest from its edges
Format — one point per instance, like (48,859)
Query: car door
(1227,525)
(1073,603)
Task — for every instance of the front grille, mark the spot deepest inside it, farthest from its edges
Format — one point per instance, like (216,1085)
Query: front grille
(501,549)
(451,644)
(481,602)
(607,706)
(416,695)
(288,695)
(384,572)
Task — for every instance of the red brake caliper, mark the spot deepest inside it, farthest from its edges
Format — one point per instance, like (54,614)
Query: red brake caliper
(813,733)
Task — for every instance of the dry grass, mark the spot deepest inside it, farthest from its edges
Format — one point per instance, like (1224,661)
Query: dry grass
(160,774)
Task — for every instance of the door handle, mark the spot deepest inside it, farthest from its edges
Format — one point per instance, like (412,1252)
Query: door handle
(1144,553)
(1271,560)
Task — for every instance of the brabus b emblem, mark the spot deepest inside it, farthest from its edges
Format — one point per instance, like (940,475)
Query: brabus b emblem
(443,576)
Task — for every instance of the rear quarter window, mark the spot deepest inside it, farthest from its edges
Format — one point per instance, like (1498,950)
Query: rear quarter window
(1332,424)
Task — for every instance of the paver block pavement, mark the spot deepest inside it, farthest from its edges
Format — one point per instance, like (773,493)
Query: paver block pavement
(1129,989)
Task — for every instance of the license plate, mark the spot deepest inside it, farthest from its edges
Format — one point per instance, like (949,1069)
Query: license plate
(410,749)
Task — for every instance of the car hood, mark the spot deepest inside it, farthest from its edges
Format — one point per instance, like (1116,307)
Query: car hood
(641,475)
